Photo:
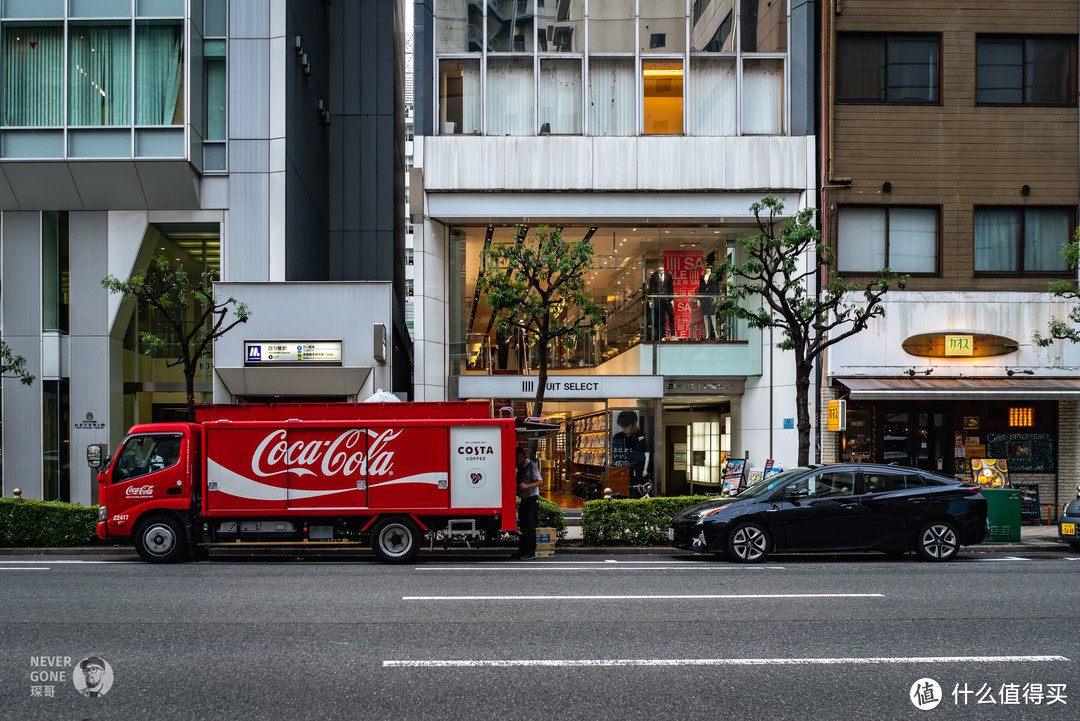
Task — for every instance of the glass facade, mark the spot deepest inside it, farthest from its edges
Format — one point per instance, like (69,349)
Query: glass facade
(55,290)
(623,280)
(653,67)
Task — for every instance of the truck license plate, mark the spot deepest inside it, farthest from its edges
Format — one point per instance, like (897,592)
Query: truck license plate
(1068,529)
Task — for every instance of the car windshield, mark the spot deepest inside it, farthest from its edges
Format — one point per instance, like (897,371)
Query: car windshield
(762,487)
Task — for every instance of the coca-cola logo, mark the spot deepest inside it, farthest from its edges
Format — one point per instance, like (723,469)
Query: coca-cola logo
(343,456)
(139,491)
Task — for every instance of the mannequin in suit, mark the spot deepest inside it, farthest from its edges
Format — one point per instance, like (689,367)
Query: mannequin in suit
(708,290)
(661,297)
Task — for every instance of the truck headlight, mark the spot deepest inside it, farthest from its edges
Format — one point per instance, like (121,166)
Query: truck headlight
(102,515)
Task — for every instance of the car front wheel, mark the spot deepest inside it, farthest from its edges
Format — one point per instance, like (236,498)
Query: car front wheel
(938,541)
(748,543)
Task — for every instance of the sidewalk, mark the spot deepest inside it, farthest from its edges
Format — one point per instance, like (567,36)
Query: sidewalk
(1032,538)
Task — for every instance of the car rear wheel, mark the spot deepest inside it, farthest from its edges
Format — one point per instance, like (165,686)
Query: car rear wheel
(748,543)
(161,540)
(938,541)
(395,539)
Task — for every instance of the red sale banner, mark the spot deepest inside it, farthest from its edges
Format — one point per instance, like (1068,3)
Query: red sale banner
(686,267)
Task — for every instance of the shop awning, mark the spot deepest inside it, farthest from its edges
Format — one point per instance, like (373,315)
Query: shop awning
(963,389)
(303,381)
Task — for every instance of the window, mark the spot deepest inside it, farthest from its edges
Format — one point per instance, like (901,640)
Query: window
(214,87)
(560,96)
(459,97)
(54,272)
(1021,417)
(763,97)
(510,99)
(33,60)
(711,102)
(159,73)
(611,96)
(663,101)
(872,238)
(880,68)
(1025,70)
(99,75)
(1022,240)
(824,485)
(146,454)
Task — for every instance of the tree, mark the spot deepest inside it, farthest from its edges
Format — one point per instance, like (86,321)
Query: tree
(13,366)
(1061,329)
(778,270)
(187,307)
(537,286)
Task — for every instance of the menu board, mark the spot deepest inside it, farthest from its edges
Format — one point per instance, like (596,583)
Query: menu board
(1029,499)
(1026,452)
(734,471)
(990,472)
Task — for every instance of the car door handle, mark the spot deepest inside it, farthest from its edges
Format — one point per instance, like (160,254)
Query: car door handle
(916,500)
(849,506)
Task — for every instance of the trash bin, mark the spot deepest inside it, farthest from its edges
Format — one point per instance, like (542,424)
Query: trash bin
(1002,514)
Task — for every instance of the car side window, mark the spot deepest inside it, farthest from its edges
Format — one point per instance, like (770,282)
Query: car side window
(884,482)
(824,485)
(146,454)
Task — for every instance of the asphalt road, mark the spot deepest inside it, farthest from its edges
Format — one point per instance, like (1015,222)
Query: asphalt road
(574,637)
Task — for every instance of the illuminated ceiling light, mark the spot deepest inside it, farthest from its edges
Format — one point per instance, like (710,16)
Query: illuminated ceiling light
(662,73)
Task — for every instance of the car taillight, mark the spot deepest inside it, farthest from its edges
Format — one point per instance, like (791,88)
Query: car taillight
(974,490)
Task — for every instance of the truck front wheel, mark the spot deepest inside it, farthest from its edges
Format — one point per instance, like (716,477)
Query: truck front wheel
(395,539)
(161,540)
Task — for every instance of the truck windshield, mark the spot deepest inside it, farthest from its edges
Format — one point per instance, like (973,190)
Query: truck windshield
(146,454)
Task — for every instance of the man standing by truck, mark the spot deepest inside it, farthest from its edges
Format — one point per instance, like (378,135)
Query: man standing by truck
(528,490)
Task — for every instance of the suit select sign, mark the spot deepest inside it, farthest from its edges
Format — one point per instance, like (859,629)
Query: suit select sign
(562,387)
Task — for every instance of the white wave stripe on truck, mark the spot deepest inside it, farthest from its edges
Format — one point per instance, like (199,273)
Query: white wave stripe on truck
(234,484)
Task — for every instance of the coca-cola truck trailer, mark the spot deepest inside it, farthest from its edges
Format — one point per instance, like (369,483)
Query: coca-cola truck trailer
(310,474)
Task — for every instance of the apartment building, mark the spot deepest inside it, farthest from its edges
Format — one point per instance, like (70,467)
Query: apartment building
(950,153)
(260,140)
(648,127)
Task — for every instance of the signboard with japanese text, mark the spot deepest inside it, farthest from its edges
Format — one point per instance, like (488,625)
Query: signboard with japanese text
(264,352)
(959,345)
(837,415)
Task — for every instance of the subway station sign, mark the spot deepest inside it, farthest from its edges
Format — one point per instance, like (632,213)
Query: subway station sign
(562,386)
(270,352)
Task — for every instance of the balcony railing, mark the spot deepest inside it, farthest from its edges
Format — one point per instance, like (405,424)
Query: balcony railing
(632,321)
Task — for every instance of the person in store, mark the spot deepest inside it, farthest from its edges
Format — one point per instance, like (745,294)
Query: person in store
(630,447)
(661,299)
(708,290)
(528,490)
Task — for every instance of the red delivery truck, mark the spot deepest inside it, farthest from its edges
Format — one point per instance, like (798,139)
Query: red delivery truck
(310,474)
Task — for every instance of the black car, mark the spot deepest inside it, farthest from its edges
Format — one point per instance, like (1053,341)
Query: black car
(840,507)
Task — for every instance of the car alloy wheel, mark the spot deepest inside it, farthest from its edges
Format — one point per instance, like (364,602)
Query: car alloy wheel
(938,541)
(748,543)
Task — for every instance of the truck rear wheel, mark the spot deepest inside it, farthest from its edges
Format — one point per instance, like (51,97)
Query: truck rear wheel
(395,539)
(161,540)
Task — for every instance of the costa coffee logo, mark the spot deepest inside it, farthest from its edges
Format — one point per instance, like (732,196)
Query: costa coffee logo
(139,491)
(332,458)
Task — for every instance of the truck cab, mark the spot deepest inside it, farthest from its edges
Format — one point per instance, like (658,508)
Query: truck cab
(146,489)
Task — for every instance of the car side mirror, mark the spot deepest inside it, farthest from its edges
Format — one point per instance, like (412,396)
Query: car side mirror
(797,493)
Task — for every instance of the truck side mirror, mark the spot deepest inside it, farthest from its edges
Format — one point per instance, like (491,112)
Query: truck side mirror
(97,455)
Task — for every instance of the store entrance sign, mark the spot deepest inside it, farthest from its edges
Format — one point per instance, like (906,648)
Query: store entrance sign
(274,352)
(837,415)
(562,386)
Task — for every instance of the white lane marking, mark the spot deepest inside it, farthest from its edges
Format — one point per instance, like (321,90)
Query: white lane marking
(63,562)
(508,663)
(673,596)
(545,567)
(1005,558)
(25,568)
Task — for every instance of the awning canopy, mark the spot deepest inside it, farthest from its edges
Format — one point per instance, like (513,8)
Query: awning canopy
(963,389)
(298,380)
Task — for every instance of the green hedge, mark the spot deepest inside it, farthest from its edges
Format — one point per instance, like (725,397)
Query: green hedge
(550,516)
(632,522)
(30,522)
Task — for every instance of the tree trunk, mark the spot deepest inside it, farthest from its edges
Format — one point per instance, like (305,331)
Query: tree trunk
(189,382)
(802,407)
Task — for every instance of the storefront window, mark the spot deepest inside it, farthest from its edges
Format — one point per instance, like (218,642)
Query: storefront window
(638,304)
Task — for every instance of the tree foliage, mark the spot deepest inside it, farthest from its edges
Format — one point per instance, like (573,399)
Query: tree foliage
(780,266)
(13,366)
(187,306)
(1065,329)
(537,285)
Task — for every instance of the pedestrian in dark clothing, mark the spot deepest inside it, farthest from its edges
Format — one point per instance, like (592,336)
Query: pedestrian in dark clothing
(528,490)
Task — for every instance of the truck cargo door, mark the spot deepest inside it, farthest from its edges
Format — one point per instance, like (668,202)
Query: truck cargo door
(245,470)
(476,467)
(328,468)
(408,468)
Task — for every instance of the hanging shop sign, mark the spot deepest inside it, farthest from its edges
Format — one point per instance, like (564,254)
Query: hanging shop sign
(269,352)
(837,415)
(958,344)
(704,387)
(562,386)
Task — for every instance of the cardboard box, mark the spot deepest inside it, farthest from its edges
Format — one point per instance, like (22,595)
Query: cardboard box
(549,553)
(545,539)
